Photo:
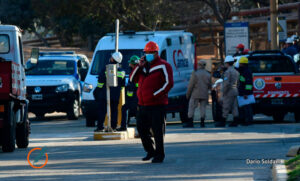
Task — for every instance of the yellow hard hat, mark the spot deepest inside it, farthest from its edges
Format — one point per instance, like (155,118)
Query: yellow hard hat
(243,60)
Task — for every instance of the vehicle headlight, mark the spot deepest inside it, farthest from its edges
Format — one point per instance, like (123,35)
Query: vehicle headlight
(87,87)
(62,88)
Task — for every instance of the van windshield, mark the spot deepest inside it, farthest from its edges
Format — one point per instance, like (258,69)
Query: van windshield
(271,64)
(102,59)
(4,43)
(53,67)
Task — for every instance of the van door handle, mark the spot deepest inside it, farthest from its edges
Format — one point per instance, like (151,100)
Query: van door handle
(277,78)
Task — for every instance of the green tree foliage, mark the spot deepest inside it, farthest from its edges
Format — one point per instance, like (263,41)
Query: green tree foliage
(17,12)
(60,16)
(88,18)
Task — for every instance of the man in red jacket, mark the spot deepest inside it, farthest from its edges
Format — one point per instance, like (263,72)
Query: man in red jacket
(155,78)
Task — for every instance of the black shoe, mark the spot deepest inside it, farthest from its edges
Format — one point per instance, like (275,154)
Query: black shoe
(221,123)
(157,160)
(121,129)
(202,125)
(246,123)
(235,122)
(188,124)
(99,130)
(148,157)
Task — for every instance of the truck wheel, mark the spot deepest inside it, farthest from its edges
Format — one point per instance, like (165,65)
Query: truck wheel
(22,135)
(297,117)
(9,130)
(90,122)
(183,114)
(278,117)
(74,110)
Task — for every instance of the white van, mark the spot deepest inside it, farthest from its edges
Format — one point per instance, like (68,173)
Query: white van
(177,47)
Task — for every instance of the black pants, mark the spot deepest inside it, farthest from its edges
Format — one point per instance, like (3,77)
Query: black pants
(131,108)
(102,113)
(152,117)
(124,116)
(246,114)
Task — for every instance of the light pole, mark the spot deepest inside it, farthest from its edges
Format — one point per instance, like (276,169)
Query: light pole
(274,24)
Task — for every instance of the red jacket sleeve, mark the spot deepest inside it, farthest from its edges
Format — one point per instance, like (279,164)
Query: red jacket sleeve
(134,75)
(168,73)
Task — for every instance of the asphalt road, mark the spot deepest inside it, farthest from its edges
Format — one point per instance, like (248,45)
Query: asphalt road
(191,154)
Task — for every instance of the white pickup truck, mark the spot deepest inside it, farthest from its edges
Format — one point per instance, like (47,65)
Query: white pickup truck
(54,85)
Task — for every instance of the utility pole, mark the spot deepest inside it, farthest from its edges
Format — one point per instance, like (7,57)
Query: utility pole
(274,24)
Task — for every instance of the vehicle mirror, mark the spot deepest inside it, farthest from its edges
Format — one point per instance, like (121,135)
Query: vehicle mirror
(83,74)
(296,58)
(34,55)
(79,64)
(217,74)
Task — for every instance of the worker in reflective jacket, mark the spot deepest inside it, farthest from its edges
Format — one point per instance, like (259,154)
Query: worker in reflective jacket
(245,89)
(131,100)
(100,94)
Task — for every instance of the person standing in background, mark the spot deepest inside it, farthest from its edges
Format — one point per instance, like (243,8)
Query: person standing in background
(230,93)
(100,94)
(198,89)
(245,89)
(131,100)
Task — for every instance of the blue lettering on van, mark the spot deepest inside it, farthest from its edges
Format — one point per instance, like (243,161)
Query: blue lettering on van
(182,62)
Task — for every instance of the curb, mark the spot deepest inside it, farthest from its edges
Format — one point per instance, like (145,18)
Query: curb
(279,172)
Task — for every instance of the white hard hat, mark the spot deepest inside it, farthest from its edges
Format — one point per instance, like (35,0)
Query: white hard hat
(295,37)
(229,58)
(289,40)
(237,61)
(117,56)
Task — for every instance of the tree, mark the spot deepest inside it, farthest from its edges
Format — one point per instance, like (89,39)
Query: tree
(17,12)
(60,16)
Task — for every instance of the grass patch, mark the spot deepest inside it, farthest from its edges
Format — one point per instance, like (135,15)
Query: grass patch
(293,168)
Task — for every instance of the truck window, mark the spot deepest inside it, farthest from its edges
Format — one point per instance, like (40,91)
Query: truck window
(102,59)
(21,50)
(53,67)
(4,43)
(271,64)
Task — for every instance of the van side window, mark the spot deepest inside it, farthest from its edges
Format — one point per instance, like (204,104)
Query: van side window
(163,55)
(181,40)
(21,50)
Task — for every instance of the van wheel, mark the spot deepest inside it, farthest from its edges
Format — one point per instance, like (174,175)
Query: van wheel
(9,130)
(40,115)
(90,122)
(297,117)
(22,135)
(278,117)
(74,110)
